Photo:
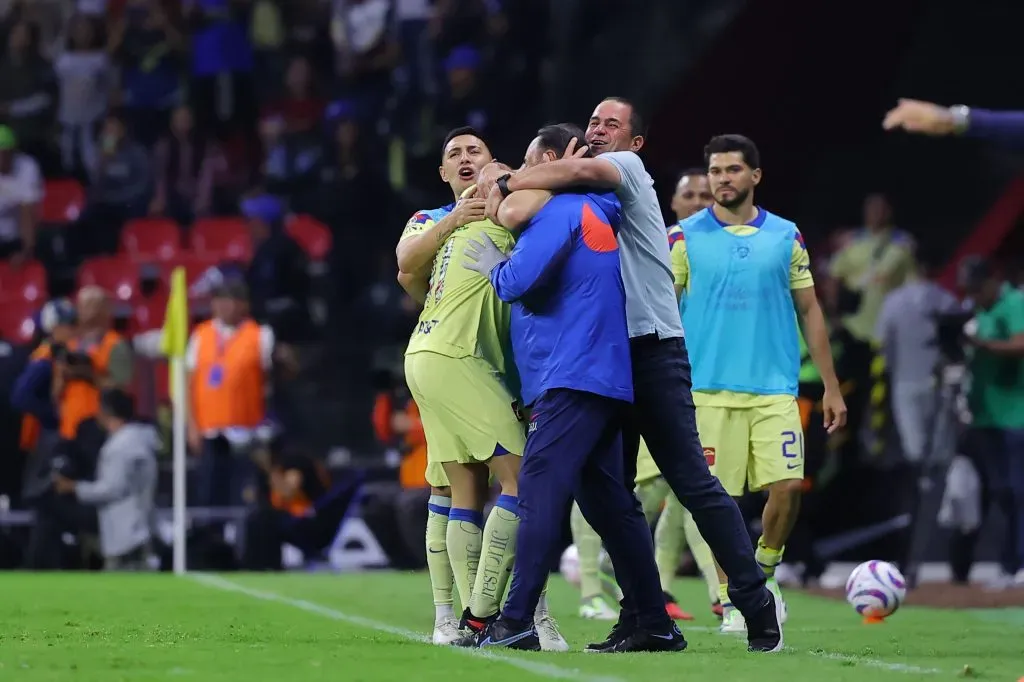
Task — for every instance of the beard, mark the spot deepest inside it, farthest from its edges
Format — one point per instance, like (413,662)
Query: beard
(737,199)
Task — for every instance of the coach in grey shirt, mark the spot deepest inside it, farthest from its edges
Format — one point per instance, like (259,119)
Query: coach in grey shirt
(125,484)
(906,331)
(663,406)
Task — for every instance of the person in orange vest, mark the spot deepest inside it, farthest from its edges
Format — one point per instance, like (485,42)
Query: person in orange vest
(229,360)
(97,358)
(32,396)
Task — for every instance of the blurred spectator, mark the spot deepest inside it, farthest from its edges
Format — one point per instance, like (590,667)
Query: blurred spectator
(301,109)
(415,80)
(229,361)
(121,189)
(906,330)
(222,87)
(464,102)
(459,22)
(149,50)
(28,91)
(996,401)
(293,159)
(125,485)
(307,25)
(21,190)
(188,167)
(366,52)
(277,276)
(85,78)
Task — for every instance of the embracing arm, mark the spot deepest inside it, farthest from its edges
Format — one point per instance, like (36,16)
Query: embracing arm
(567,173)
(416,252)
(416,285)
(521,206)
(531,263)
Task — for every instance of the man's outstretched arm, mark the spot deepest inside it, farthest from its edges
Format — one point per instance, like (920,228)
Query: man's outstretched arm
(565,173)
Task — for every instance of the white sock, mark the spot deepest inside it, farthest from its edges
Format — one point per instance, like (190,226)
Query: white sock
(442,611)
(542,606)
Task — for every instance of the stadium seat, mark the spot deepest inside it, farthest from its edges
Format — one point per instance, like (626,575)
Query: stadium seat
(26,283)
(195,267)
(63,202)
(222,238)
(117,274)
(312,235)
(148,313)
(155,239)
(17,320)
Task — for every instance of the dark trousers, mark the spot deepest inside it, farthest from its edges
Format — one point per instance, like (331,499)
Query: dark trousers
(574,449)
(663,413)
(998,455)
(222,475)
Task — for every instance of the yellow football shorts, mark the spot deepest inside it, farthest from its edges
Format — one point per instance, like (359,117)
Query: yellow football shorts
(753,445)
(467,412)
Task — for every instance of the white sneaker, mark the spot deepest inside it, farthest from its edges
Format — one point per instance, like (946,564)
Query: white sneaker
(547,631)
(773,586)
(732,622)
(446,631)
(1003,581)
(597,608)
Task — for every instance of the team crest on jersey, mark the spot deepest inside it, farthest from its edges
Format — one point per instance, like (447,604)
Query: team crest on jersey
(741,251)
(709,455)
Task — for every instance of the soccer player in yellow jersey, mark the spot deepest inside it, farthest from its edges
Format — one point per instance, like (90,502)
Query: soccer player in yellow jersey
(746,274)
(457,372)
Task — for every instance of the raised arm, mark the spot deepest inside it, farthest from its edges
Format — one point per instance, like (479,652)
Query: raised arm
(416,285)
(422,236)
(520,207)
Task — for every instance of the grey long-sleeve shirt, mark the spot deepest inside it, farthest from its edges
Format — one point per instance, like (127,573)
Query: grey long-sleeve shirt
(124,489)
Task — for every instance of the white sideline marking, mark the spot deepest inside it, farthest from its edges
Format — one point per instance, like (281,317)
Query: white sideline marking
(536,667)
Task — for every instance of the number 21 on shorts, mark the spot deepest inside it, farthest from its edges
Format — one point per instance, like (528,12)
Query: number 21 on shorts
(793,448)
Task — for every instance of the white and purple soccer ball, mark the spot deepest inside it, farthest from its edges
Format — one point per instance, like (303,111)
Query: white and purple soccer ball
(569,566)
(876,589)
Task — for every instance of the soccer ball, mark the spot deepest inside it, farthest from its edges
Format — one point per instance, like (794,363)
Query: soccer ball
(876,589)
(569,565)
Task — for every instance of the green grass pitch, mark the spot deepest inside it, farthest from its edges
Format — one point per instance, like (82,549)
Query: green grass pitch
(372,626)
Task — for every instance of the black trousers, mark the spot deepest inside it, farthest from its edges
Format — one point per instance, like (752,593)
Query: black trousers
(664,415)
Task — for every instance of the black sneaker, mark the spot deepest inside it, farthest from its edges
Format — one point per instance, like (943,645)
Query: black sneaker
(620,631)
(764,629)
(509,635)
(647,640)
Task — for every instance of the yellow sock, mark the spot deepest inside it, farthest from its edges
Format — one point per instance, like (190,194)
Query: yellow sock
(588,548)
(464,538)
(723,594)
(440,568)
(669,541)
(767,558)
(702,555)
(496,557)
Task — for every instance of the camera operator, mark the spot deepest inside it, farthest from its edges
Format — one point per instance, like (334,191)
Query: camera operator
(907,333)
(125,484)
(96,359)
(996,401)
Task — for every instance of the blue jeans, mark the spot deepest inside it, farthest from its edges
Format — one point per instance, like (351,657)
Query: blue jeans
(222,475)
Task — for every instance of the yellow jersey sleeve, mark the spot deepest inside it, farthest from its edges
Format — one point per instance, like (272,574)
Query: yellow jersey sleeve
(680,262)
(420,222)
(800,265)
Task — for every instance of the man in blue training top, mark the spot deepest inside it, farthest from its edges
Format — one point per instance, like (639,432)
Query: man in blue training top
(571,346)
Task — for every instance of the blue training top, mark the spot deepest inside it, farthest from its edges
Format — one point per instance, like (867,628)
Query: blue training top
(569,314)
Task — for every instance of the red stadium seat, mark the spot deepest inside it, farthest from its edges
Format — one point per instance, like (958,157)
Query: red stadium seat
(148,313)
(195,267)
(17,323)
(117,274)
(222,238)
(27,282)
(63,202)
(155,239)
(312,235)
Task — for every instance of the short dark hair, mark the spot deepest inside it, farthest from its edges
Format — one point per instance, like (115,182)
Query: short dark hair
(462,130)
(118,404)
(556,137)
(724,144)
(692,171)
(637,122)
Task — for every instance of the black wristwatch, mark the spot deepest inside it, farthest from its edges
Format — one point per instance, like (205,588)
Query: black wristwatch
(502,184)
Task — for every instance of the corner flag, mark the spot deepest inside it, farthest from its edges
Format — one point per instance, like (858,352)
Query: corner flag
(173,342)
